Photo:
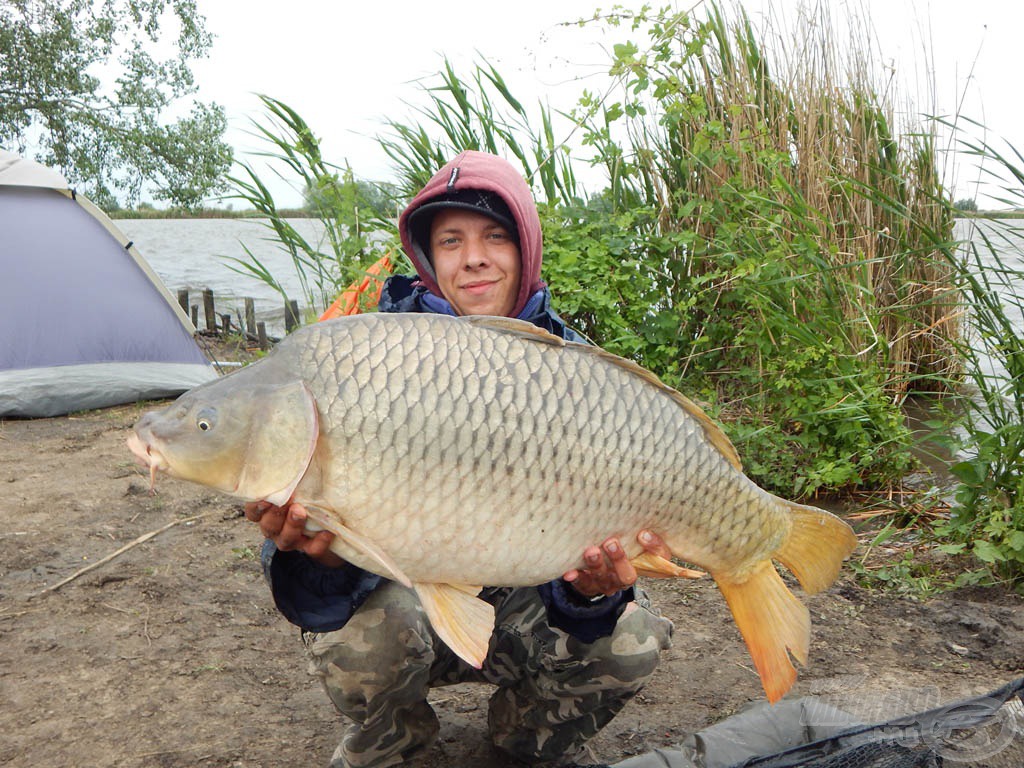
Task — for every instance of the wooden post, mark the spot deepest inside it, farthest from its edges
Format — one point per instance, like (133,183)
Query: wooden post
(208,308)
(250,317)
(195,316)
(261,333)
(291,315)
(183,299)
(225,324)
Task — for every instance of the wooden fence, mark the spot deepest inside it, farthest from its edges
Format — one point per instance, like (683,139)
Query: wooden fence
(222,324)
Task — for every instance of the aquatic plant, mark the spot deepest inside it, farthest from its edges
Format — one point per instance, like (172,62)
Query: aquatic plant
(752,245)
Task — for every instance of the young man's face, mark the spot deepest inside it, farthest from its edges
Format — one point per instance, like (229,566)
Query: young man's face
(477,262)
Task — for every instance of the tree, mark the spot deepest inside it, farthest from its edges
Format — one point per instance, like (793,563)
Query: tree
(80,82)
(966,204)
(344,191)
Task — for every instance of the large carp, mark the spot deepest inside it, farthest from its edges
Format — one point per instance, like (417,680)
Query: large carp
(448,453)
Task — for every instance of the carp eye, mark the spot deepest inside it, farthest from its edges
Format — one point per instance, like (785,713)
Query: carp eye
(205,420)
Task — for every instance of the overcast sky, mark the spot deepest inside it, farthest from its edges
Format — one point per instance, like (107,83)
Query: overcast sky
(345,67)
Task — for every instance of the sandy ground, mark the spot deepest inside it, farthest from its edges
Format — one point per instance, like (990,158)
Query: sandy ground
(172,654)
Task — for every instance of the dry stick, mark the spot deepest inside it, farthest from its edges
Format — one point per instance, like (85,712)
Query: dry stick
(143,538)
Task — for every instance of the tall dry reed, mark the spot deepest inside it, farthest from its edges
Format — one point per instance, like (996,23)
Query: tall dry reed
(809,122)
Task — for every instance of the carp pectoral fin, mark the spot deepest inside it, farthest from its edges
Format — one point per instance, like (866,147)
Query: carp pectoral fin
(280,445)
(653,567)
(773,622)
(329,522)
(461,619)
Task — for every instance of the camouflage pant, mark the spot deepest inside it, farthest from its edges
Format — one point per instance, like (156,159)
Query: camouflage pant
(554,692)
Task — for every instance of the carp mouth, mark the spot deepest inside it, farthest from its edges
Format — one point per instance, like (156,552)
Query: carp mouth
(147,457)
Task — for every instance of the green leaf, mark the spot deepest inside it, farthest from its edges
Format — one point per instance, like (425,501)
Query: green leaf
(102,91)
(970,472)
(987,552)
(1015,540)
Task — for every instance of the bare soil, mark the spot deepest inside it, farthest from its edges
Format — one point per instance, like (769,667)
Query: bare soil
(172,653)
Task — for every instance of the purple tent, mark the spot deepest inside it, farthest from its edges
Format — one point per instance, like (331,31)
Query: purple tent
(84,321)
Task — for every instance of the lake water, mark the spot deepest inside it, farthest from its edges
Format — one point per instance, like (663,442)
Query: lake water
(1006,238)
(195,254)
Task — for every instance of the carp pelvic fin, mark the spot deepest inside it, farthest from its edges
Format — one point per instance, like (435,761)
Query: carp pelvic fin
(773,622)
(816,547)
(654,567)
(462,620)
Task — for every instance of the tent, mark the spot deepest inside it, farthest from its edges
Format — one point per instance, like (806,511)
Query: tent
(84,321)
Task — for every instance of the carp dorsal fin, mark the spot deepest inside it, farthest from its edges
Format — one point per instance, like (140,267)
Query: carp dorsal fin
(516,327)
(280,446)
(714,433)
(461,619)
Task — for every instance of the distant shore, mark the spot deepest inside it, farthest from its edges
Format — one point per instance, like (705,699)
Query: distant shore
(302,213)
(203,213)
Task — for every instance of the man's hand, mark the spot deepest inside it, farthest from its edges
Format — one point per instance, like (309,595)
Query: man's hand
(287,529)
(608,570)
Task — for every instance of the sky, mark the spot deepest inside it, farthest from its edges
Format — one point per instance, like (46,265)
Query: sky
(347,67)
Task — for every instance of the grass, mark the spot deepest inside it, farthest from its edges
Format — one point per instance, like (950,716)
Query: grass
(249,553)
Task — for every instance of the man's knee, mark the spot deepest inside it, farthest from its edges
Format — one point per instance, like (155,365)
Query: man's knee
(635,646)
(384,648)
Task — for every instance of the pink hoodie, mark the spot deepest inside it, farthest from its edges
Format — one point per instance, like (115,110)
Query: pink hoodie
(481,170)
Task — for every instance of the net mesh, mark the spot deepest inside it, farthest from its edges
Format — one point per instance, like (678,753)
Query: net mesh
(877,756)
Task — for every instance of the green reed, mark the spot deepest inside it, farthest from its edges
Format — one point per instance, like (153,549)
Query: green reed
(481,114)
(985,428)
(787,223)
(341,254)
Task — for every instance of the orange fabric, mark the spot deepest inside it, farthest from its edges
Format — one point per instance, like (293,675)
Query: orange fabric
(369,288)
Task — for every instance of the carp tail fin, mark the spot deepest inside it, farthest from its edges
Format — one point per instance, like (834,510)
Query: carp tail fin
(773,622)
(816,547)
(461,619)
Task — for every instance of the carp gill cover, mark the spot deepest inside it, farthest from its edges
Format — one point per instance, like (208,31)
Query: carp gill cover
(523,449)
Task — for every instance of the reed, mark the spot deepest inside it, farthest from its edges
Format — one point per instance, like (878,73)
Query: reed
(984,430)
(805,140)
(481,114)
(343,251)
(792,237)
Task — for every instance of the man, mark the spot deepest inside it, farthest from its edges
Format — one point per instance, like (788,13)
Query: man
(565,656)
